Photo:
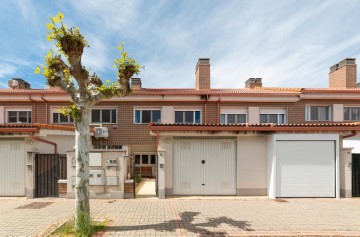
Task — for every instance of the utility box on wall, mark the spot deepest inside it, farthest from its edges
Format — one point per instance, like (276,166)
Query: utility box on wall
(112,180)
(97,177)
(108,171)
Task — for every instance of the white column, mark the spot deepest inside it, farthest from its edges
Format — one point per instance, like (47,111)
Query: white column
(161,173)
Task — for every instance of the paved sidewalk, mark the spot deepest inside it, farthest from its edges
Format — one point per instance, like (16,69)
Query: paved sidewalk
(192,217)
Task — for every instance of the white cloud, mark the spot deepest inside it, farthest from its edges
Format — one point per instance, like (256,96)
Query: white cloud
(6,70)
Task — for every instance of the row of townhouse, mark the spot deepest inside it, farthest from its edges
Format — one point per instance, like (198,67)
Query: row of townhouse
(280,142)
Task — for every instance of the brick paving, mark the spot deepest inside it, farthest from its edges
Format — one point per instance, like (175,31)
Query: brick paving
(193,217)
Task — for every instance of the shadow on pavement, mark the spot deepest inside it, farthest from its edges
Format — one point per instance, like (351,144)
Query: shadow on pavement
(185,222)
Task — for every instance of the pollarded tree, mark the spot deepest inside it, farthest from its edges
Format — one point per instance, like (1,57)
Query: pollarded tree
(85,91)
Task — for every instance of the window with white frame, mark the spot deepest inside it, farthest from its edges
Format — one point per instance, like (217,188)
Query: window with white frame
(57,117)
(351,113)
(318,113)
(102,115)
(107,147)
(188,116)
(277,116)
(143,116)
(18,115)
(233,116)
(145,159)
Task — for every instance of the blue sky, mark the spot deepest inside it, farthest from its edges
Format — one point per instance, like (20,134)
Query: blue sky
(287,43)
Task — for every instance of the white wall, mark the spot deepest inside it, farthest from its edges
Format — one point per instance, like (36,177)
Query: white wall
(352,142)
(254,115)
(64,143)
(345,172)
(252,165)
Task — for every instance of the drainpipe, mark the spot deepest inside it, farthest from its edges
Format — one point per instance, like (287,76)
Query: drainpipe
(218,107)
(205,102)
(157,139)
(46,108)
(351,135)
(33,107)
(45,141)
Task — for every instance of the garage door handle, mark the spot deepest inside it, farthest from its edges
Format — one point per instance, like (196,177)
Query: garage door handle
(203,162)
(202,184)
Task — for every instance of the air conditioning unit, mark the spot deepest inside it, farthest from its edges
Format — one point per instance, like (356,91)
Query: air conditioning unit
(101,132)
(13,84)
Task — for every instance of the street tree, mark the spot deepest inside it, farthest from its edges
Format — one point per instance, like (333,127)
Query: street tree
(63,68)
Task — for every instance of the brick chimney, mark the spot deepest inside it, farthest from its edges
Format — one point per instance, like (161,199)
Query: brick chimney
(343,74)
(251,83)
(203,74)
(135,83)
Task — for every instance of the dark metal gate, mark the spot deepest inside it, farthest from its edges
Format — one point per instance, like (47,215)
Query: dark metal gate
(49,168)
(356,175)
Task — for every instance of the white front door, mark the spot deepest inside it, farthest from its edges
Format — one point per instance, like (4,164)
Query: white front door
(305,168)
(204,167)
(12,168)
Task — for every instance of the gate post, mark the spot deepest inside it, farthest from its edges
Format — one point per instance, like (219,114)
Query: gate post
(161,173)
(345,172)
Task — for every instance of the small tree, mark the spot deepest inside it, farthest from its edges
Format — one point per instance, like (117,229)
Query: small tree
(85,91)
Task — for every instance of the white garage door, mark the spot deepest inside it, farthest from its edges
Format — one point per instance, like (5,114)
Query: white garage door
(305,168)
(204,167)
(12,168)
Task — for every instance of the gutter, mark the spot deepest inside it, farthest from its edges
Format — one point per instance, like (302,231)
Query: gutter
(250,129)
(21,130)
(351,135)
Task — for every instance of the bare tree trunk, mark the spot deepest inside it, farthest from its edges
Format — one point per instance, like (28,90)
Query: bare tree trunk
(82,140)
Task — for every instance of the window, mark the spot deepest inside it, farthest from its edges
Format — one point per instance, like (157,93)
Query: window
(103,116)
(275,115)
(107,147)
(187,117)
(147,116)
(232,118)
(272,118)
(145,160)
(352,113)
(15,116)
(60,118)
(318,113)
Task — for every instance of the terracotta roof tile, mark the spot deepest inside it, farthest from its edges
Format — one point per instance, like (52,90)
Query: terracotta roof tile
(320,127)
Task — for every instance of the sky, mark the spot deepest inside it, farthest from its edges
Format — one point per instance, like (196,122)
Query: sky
(287,43)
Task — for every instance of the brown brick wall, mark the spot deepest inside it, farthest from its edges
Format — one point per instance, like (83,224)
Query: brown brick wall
(128,188)
(128,133)
(62,188)
(344,77)
(203,77)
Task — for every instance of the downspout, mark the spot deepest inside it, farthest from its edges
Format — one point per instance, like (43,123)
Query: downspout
(45,141)
(157,139)
(46,109)
(351,135)
(33,108)
(218,107)
(205,102)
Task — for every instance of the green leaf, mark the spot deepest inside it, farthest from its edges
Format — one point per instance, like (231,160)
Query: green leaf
(37,70)
(60,15)
(50,26)
(56,19)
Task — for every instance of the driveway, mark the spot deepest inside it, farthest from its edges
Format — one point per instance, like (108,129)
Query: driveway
(191,216)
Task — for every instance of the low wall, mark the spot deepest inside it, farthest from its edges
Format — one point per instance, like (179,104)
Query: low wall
(108,171)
